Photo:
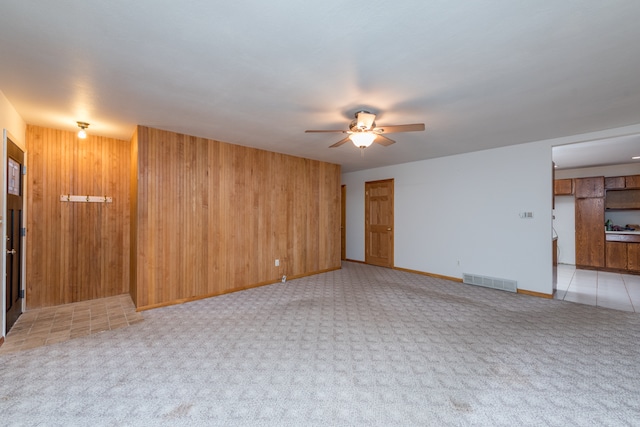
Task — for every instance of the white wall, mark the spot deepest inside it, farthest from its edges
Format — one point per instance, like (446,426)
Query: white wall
(565,226)
(466,208)
(13,126)
(12,122)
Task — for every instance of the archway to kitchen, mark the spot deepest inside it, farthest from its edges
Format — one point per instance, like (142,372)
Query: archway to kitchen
(598,182)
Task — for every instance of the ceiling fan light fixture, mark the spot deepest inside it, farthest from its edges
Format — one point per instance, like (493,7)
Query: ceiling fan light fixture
(362,139)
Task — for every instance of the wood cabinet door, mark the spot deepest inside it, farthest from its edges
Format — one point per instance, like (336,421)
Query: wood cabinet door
(589,187)
(590,232)
(633,257)
(563,187)
(632,181)
(616,255)
(614,183)
(623,199)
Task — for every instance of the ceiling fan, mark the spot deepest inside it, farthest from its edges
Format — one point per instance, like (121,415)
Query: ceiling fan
(363,131)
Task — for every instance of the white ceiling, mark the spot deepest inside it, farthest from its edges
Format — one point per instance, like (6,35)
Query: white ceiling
(257,73)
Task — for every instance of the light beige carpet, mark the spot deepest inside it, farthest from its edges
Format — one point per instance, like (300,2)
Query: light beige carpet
(362,346)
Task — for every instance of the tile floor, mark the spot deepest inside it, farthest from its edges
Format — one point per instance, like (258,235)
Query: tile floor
(44,326)
(599,288)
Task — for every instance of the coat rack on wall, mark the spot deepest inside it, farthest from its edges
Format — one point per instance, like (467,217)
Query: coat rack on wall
(85,199)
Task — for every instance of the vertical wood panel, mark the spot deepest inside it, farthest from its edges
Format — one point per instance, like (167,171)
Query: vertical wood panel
(212,217)
(134,253)
(76,251)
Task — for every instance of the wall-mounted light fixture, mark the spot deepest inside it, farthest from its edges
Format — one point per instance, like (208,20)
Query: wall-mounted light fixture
(82,133)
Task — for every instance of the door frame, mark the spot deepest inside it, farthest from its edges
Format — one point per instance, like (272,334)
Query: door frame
(3,229)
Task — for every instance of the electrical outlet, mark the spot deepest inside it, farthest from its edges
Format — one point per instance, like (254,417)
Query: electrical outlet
(277,263)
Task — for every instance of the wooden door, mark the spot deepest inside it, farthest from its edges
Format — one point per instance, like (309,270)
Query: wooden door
(13,285)
(343,223)
(379,223)
(590,232)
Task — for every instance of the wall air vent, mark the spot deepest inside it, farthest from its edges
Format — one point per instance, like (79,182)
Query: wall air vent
(490,282)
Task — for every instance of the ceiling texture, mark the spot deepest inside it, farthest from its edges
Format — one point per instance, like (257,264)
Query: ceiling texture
(479,74)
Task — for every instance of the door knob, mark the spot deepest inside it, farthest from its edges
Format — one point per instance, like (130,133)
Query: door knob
(388,228)
(11,252)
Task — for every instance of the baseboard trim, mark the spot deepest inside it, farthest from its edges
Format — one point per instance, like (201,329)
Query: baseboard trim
(354,260)
(535,294)
(1,341)
(216,294)
(424,273)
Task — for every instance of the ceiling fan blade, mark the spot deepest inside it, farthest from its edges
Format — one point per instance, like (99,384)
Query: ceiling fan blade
(383,140)
(316,131)
(339,143)
(400,128)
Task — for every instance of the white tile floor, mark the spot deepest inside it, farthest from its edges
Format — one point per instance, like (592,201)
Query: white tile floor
(599,288)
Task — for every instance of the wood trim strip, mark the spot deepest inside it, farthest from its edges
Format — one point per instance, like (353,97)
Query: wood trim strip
(535,294)
(424,273)
(229,291)
(1,341)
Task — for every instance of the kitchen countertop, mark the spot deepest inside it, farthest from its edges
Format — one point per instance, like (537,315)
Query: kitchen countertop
(623,232)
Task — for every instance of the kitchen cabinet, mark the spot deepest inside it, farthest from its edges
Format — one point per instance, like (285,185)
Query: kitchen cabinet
(589,208)
(590,232)
(616,255)
(563,187)
(589,187)
(622,182)
(623,252)
(632,181)
(633,257)
(623,199)
(614,183)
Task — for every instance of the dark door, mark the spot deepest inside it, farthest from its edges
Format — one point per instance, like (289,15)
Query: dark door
(379,223)
(15,158)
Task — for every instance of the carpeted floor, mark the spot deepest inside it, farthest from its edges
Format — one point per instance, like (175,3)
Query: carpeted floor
(362,346)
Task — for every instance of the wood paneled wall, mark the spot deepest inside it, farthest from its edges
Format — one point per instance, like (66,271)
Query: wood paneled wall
(212,217)
(76,251)
(133,229)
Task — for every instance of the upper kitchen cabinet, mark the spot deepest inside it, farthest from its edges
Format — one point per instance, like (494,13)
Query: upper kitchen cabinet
(622,192)
(589,187)
(614,183)
(623,200)
(563,187)
(632,181)
(622,182)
